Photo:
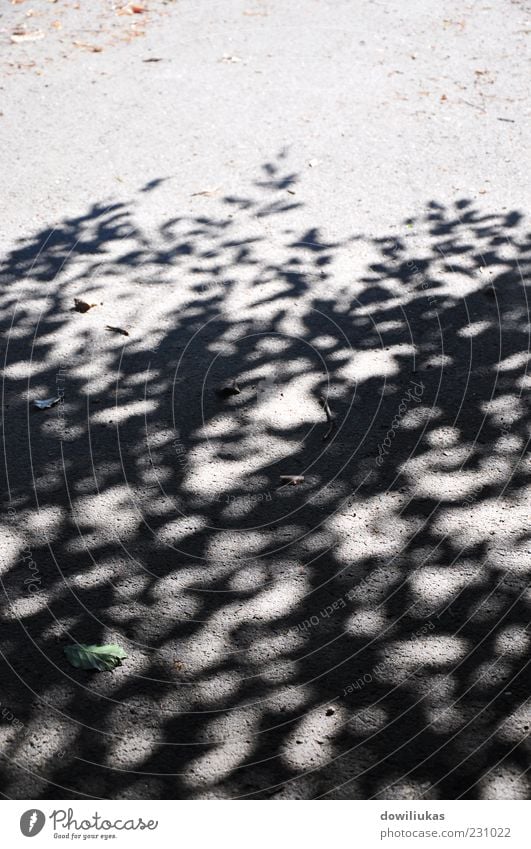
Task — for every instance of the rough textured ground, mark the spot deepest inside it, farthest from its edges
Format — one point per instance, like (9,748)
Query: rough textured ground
(312,198)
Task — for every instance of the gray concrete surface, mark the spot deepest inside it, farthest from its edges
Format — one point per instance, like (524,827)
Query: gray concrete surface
(312,198)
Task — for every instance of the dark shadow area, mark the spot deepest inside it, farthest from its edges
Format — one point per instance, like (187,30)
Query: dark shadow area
(362,634)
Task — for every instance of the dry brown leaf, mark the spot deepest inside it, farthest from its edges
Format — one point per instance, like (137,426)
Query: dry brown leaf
(83,306)
(132,9)
(57,25)
(21,65)
(93,48)
(228,389)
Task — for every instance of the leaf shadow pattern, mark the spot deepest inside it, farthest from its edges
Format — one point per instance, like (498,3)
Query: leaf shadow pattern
(363,634)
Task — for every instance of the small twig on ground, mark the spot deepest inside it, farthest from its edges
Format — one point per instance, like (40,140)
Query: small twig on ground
(474,105)
(329,417)
(119,330)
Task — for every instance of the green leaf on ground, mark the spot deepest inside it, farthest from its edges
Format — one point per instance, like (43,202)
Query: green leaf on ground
(102,658)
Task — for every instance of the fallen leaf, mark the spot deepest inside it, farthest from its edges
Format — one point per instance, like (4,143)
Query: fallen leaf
(132,9)
(101,658)
(83,306)
(93,48)
(20,36)
(228,389)
(116,330)
(231,59)
(133,33)
(21,65)
(292,480)
(206,193)
(57,25)
(153,59)
(460,24)
(178,665)
(47,403)
(443,97)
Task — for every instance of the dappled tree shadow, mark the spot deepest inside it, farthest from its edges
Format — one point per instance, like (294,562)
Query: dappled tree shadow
(363,634)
